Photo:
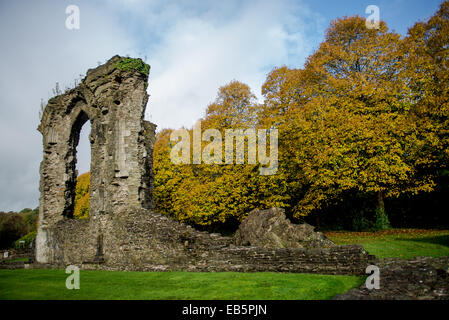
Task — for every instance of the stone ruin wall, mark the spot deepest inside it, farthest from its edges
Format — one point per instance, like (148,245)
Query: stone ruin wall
(146,241)
(122,232)
(114,102)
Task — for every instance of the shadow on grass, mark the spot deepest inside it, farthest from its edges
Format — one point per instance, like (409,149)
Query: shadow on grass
(440,240)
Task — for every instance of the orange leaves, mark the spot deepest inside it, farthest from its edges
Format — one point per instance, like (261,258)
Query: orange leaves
(344,237)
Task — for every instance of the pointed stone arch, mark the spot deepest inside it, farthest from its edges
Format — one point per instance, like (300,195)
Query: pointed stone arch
(113,98)
(71,162)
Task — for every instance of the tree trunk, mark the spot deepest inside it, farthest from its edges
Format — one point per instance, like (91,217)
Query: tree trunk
(382,222)
(380,202)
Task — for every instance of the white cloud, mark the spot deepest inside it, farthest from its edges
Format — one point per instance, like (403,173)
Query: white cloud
(198,55)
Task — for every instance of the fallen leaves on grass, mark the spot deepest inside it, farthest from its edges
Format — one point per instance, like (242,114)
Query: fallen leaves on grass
(353,237)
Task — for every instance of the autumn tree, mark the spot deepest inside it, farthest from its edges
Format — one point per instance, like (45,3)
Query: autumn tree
(82,203)
(428,74)
(167,176)
(366,115)
(347,116)
(208,194)
(282,91)
(234,107)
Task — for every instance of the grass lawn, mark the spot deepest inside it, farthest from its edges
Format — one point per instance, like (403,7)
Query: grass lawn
(19,260)
(399,243)
(50,284)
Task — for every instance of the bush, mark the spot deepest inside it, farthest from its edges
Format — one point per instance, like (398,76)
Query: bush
(14,225)
(28,238)
(382,222)
(361,223)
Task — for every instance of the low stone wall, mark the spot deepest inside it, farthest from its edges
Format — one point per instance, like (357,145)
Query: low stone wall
(14,254)
(338,260)
(142,240)
(420,278)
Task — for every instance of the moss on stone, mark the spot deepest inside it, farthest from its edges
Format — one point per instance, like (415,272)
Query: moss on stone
(130,64)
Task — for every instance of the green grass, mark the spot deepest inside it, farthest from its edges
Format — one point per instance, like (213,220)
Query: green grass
(19,260)
(398,243)
(50,284)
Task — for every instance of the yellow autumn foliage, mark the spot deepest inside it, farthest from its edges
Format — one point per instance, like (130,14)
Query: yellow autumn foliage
(368,113)
(204,194)
(81,210)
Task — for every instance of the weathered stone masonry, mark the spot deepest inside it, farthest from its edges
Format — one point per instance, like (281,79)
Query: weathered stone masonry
(114,102)
(122,232)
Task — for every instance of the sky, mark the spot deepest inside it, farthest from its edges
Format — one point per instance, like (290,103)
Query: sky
(193,48)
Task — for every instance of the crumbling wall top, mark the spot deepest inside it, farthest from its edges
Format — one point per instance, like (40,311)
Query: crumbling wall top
(103,82)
